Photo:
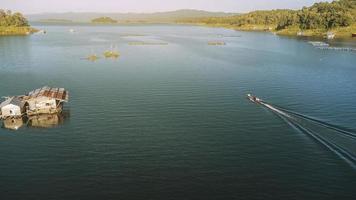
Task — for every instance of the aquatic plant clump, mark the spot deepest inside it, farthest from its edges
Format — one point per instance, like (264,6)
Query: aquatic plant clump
(138,43)
(111,54)
(216,43)
(92,57)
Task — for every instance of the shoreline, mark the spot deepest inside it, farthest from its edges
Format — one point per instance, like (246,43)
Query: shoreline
(17,31)
(340,33)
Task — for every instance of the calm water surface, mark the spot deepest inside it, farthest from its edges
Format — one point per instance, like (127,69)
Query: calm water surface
(172,121)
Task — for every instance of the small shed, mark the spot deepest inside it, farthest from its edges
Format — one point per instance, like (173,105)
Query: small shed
(12,107)
(330,35)
(46,100)
(300,33)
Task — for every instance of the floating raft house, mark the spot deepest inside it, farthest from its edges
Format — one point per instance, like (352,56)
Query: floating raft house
(46,100)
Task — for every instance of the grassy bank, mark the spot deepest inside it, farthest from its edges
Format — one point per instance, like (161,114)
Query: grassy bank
(12,30)
(340,32)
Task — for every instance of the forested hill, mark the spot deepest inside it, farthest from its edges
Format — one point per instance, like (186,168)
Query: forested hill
(164,17)
(338,16)
(104,20)
(7,18)
(14,24)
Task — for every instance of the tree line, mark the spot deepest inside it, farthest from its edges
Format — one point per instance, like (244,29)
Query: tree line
(7,18)
(323,15)
(104,20)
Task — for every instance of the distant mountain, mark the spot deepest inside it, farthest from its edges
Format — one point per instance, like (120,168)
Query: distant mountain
(158,17)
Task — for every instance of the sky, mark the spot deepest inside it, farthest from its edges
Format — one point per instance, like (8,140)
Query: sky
(124,6)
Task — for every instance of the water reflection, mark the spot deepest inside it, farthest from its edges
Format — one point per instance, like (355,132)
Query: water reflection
(13,124)
(37,121)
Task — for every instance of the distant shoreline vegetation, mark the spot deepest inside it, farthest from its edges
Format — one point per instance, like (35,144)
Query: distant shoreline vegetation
(14,24)
(103,20)
(56,21)
(337,17)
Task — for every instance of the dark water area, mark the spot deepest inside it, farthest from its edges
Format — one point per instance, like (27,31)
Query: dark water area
(172,121)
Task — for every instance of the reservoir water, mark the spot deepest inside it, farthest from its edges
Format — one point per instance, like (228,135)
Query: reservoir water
(170,119)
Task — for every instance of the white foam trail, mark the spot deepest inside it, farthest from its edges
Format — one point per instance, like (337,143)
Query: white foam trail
(347,133)
(339,151)
(276,110)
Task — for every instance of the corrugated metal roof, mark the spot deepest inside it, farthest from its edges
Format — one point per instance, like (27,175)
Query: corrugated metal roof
(56,93)
(12,100)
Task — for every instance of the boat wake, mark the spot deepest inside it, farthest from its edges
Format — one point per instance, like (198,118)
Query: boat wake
(347,132)
(339,140)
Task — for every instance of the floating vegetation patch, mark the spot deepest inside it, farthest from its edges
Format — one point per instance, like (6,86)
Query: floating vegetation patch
(138,43)
(227,36)
(98,40)
(133,35)
(92,57)
(217,43)
(111,54)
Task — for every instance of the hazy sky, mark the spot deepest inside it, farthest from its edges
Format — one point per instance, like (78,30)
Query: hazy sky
(40,6)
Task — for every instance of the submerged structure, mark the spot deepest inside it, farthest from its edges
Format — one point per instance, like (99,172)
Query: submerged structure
(45,120)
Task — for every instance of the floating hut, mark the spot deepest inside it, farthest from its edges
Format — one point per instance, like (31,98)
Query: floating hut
(46,100)
(300,33)
(330,35)
(12,107)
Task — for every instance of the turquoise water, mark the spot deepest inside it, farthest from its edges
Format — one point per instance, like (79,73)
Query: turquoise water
(172,121)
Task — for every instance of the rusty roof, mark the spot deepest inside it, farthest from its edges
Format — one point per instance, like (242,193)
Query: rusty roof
(56,93)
